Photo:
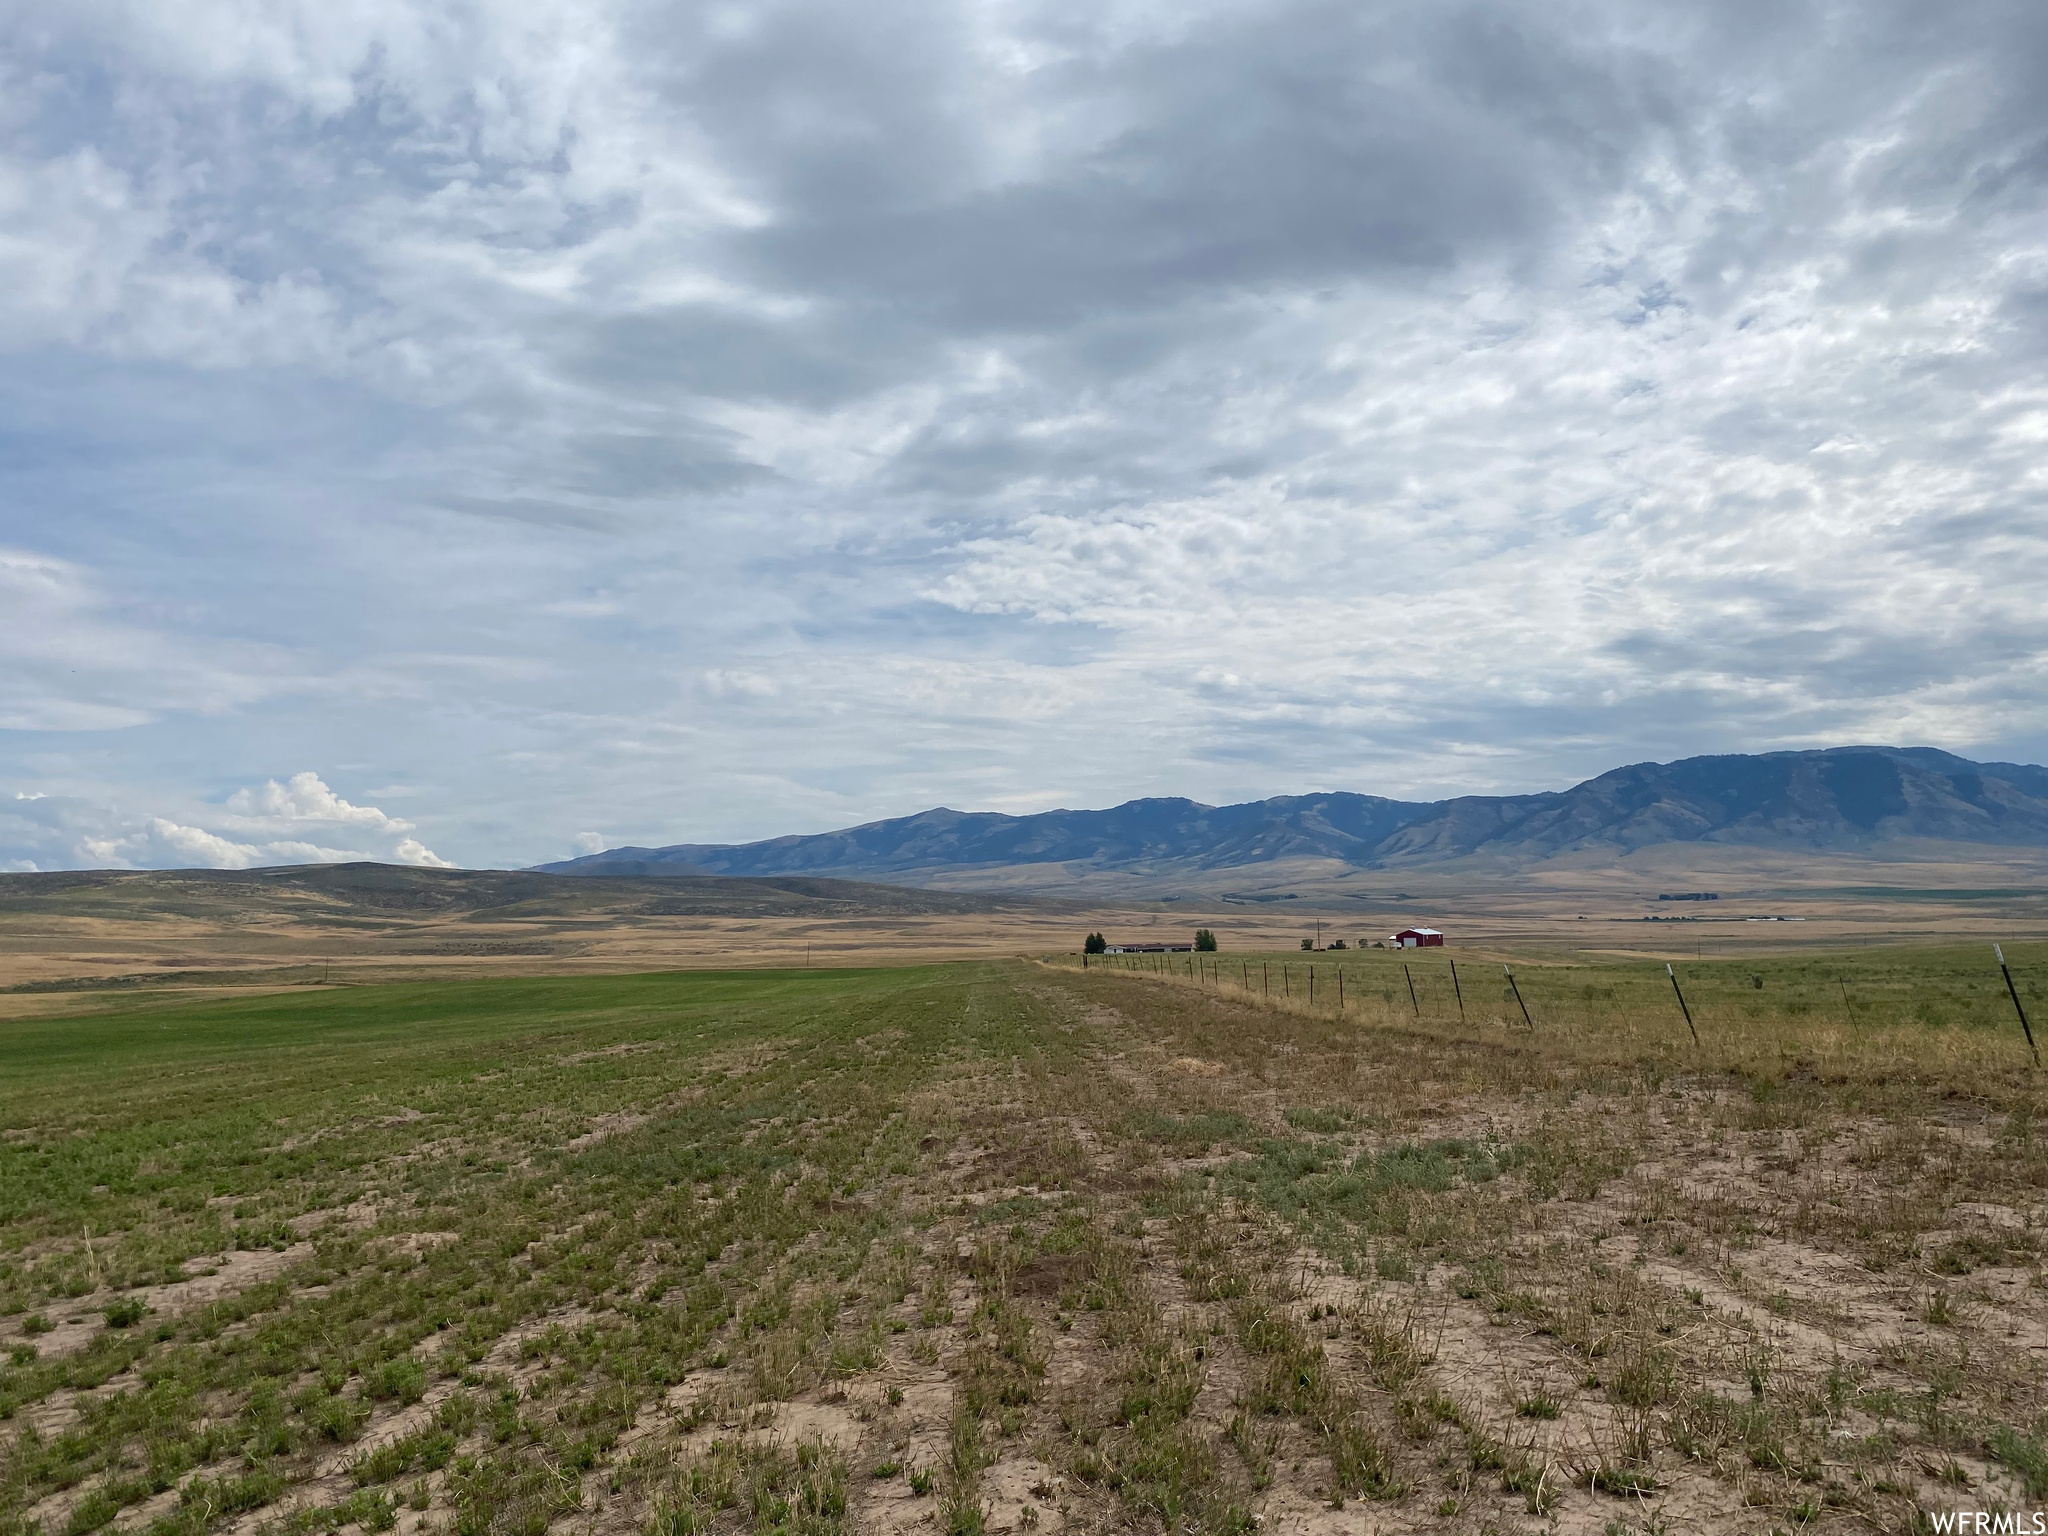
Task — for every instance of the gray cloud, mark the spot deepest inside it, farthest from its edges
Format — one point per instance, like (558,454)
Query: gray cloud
(852,409)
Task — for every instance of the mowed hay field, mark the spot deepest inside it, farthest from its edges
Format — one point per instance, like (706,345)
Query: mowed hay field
(1014,1246)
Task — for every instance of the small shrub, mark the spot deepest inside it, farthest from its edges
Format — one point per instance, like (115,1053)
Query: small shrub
(338,1418)
(1626,1482)
(2026,1455)
(404,1379)
(372,1511)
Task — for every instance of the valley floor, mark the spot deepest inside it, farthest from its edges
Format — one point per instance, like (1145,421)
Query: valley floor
(66,947)
(1008,1247)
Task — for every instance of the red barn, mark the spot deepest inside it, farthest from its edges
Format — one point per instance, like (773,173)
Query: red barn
(1415,938)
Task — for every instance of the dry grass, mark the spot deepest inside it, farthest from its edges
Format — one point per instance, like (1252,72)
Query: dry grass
(68,954)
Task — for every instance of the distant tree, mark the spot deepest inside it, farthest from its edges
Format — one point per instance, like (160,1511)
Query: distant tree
(1336,944)
(1205,941)
(1094,944)
(1308,943)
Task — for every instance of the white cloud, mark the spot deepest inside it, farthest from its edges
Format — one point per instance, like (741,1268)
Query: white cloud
(302,799)
(54,832)
(410,850)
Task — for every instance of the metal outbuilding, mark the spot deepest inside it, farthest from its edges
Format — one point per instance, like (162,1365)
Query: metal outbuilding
(1416,938)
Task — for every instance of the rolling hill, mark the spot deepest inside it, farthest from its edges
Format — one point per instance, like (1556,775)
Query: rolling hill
(1841,799)
(372,893)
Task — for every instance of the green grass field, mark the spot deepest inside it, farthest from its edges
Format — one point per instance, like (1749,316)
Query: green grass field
(993,1247)
(1864,1003)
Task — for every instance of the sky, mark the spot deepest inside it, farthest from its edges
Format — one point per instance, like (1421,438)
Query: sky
(490,431)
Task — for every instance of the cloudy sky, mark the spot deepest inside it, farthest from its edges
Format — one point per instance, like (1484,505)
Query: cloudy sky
(490,430)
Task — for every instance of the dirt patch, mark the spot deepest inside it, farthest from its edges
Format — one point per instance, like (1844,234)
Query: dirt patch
(610,1052)
(1022,1493)
(1048,1274)
(604,1127)
(213,1278)
(360,1216)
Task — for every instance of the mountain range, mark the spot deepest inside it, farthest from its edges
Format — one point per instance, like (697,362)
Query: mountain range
(1839,799)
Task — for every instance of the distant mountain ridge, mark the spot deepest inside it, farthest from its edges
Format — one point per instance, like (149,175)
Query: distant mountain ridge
(1837,798)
